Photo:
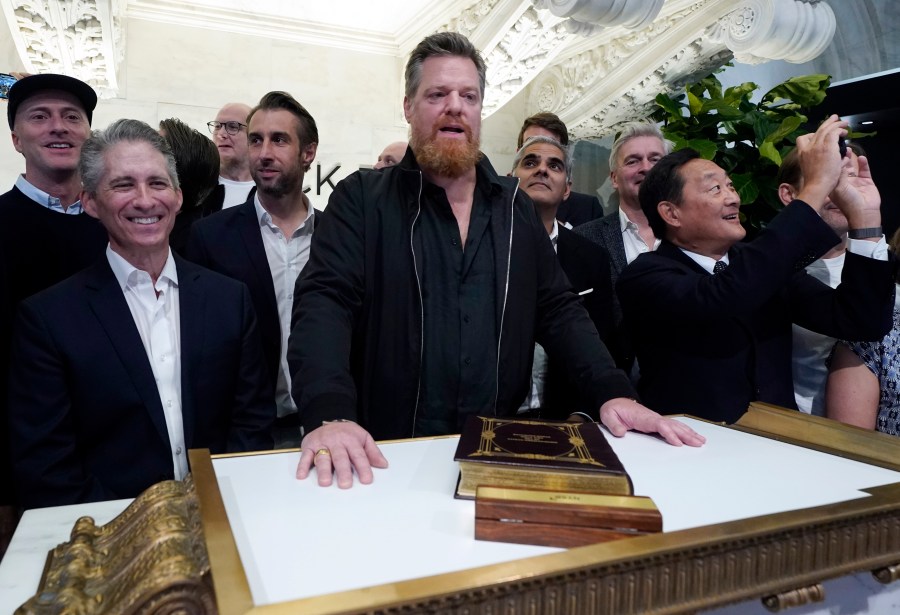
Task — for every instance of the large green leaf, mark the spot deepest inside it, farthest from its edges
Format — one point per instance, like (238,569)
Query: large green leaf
(736,94)
(806,90)
(724,109)
(745,186)
(787,127)
(712,85)
(669,105)
(694,104)
(706,148)
(768,151)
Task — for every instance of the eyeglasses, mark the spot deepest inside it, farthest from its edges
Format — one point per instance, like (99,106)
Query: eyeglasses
(231,128)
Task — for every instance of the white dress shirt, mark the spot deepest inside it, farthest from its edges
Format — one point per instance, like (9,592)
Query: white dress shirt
(535,397)
(286,256)
(631,238)
(155,309)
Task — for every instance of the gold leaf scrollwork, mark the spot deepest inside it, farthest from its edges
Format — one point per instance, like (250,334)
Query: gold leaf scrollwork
(150,559)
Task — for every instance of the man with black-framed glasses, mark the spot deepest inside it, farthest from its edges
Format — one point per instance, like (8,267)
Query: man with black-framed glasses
(229,133)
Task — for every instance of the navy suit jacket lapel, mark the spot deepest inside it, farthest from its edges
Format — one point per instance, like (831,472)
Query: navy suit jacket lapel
(109,305)
(567,253)
(194,323)
(251,236)
(674,252)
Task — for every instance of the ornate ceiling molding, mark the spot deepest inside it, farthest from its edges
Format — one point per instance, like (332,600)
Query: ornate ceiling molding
(81,38)
(630,14)
(614,80)
(590,61)
(599,89)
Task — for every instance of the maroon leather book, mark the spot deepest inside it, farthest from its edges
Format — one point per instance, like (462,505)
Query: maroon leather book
(532,454)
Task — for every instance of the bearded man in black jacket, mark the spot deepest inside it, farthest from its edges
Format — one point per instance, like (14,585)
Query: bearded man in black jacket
(427,286)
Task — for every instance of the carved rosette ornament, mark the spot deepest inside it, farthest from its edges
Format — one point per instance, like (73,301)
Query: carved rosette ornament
(630,14)
(80,38)
(792,30)
(152,558)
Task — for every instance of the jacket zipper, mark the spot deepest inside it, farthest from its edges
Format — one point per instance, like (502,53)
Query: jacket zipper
(412,249)
(512,203)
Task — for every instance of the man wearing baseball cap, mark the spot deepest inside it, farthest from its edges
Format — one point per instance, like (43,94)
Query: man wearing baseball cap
(44,236)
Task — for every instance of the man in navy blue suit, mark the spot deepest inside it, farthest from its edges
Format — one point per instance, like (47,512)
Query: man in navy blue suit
(544,168)
(118,370)
(710,316)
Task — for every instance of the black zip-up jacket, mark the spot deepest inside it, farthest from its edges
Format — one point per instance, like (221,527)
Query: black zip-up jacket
(355,348)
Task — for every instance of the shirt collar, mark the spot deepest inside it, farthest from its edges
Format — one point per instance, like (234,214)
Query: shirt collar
(265,218)
(44,199)
(126,273)
(704,261)
(554,234)
(625,223)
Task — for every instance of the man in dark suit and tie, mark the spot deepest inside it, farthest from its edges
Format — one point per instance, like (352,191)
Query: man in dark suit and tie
(577,208)
(711,318)
(544,168)
(265,242)
(118,370)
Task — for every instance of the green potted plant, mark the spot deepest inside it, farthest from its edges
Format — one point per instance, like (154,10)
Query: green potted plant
(745,138)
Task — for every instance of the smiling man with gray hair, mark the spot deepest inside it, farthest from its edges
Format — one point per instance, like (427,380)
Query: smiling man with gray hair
(139,357)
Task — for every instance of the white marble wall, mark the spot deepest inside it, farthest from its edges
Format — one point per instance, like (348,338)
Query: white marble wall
(188,73)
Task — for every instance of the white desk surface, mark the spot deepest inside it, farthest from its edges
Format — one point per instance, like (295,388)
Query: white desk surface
(293,535)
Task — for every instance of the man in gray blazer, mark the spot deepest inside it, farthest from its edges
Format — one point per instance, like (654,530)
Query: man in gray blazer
(625,233)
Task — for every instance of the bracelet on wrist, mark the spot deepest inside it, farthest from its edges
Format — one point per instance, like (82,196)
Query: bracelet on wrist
(865,233)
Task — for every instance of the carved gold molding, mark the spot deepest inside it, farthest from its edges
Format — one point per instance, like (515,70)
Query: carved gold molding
(150,559)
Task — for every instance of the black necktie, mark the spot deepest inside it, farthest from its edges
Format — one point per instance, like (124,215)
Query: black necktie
(719,267)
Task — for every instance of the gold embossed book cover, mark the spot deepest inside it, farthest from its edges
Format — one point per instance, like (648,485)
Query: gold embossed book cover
(532,454)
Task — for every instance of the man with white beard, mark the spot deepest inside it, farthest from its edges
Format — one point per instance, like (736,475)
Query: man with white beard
(426,288)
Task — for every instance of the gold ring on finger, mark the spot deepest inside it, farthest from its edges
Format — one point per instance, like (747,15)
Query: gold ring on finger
(323,451)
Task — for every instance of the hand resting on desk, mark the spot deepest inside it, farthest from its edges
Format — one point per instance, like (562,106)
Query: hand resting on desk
(622,414)
(337,449)
(340,448)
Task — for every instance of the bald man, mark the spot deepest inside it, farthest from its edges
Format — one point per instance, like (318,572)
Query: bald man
(391,155)
(229,131)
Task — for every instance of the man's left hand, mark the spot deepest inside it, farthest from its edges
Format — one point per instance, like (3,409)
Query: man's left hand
(622,414)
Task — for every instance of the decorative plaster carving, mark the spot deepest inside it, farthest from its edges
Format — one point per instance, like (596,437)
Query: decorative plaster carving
(81,38)
(582,89)
(792,30)
(596,91)
(469,19)
(526,49)
(637,102)
(630,14)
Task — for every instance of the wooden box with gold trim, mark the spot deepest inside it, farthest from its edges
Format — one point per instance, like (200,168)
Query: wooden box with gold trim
(561,518)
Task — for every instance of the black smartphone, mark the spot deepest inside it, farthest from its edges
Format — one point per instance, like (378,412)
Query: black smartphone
(6,82)
(842,146)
